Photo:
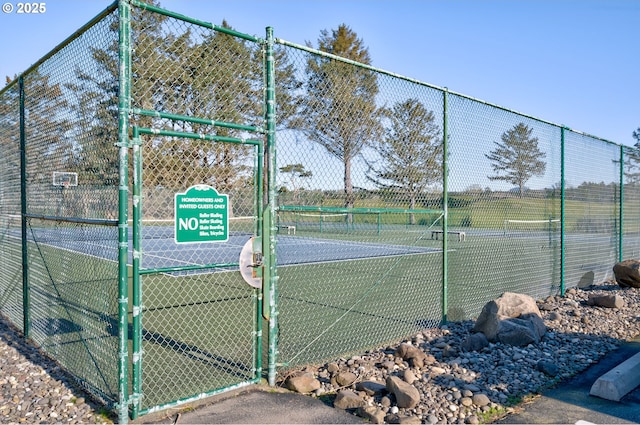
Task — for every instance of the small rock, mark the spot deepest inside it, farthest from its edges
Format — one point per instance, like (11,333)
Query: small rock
(481,400)
(347,399)
(344,379)
(409,376)
(304,383)
(372,414)
(547,368)
(410,420)
(474,342)
(371,387)
(385,401)
(407,396)
(554,316)
(333,367)
(472,419)
(413,355)
(607,301)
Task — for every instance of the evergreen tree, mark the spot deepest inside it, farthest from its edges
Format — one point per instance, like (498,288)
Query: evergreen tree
(517,158)
(410,153)
(339,110)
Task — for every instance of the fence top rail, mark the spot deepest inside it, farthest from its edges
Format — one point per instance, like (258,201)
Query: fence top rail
(62,45)
(199,136)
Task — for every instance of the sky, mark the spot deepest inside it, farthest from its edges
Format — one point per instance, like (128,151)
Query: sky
(570,62)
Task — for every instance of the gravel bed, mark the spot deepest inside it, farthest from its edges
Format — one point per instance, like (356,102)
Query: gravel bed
(457,386)
(33,388)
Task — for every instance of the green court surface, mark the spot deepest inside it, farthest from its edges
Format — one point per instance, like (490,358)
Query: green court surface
(198,330)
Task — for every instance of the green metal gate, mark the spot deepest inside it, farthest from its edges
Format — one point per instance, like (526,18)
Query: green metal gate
(195,323)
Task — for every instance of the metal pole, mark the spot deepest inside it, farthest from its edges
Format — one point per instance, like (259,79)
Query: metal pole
(621,209)
(562,212)
(136,344)
(445,207)
(258,204)
(124,78)
(270,236)
(26,298)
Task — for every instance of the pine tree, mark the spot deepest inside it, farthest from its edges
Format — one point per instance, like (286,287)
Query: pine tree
(517,158)
(339,110)
(410,153)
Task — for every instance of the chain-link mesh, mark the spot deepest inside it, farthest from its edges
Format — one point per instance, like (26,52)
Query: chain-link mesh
(631,204)
(360,187)
(198,323)
(504,190)
(10,207)
(69,116)
(592,203)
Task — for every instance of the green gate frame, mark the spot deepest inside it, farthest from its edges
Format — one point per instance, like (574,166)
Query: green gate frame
(138,272)
(264,206)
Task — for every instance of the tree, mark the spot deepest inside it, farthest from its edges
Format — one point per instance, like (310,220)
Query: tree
(517,158)
(296,173)
(632,161)
(339,110)
(213,79)
(410,153)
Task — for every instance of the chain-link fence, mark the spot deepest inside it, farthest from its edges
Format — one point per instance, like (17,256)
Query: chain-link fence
(154,244)
(58,201)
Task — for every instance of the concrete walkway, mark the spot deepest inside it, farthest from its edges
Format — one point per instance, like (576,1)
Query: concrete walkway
(256,405)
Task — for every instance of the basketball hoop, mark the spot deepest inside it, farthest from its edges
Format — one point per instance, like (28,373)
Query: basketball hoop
(65,179)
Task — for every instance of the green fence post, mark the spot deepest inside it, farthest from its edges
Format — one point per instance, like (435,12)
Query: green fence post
(259,235)
(124,55)
(26,298)
(621,209)
(445,207)
(136,338)
(270,236)
(562,212)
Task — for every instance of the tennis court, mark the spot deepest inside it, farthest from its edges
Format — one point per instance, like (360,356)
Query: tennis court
(159,250)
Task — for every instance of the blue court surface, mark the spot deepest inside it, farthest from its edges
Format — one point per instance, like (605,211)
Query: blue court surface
(162,252)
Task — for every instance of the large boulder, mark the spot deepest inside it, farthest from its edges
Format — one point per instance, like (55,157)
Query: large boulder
(627,273)
(511,319)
